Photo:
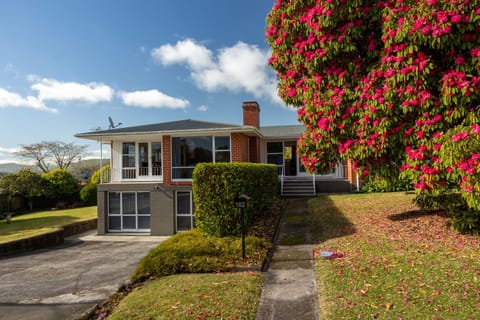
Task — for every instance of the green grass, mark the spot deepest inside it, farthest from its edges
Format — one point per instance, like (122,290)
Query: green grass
(33,224)
(392,262)
(193,296)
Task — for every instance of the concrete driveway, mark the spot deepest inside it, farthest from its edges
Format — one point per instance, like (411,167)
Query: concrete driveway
(63,282)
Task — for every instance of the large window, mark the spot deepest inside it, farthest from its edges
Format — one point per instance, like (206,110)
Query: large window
(128,160)
(188,151)
(128,211)
(141,159)
(184,211)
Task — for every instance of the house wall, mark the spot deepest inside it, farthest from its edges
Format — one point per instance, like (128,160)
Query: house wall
(162,205)
(239,146)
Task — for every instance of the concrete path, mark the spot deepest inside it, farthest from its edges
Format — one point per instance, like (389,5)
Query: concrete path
(290,290)
(64,282)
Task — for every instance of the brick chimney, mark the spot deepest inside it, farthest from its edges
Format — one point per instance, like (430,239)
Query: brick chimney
(251,114)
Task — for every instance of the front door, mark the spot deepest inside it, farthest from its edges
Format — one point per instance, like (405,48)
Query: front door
(290,158)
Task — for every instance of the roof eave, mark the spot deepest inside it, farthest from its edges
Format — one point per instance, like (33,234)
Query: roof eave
(189,132)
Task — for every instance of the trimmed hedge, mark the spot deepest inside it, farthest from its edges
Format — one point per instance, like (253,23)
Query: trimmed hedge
(215,186)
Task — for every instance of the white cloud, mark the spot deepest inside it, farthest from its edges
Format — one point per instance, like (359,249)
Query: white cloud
(11,99)
(202,108)
(242,67)
(197,56)
(51,89)
(152,99)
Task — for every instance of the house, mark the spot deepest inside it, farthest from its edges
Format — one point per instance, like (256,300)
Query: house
(150,183)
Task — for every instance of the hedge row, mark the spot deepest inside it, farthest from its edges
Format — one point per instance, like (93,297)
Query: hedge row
(215,186)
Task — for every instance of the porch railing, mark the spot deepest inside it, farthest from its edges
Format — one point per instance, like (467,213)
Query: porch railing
(131,174)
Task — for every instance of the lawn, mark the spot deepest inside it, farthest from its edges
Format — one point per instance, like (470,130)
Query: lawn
(32,224)
(194,296)
(391,261)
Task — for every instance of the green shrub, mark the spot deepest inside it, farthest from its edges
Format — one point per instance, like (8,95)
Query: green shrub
(215,186)
(196,252)
(462,218)
(62,184)
(378,184)
(95,178)
(88,194)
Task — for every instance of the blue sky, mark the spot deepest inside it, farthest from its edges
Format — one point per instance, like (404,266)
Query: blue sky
(66,66)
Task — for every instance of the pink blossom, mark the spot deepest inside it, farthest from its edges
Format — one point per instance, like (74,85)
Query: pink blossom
(475,128)
(456,18)
(459,136)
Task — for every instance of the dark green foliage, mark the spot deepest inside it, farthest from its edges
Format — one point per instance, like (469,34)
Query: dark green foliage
(62,184)
(215,186)
(462,218)
(195,252)
(25,184)
(377,184)
(88,194)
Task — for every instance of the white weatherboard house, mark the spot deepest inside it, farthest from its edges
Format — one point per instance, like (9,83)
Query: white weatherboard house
(149,187)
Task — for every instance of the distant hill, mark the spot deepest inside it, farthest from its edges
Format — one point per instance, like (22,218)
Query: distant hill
(14,167)
(80,169)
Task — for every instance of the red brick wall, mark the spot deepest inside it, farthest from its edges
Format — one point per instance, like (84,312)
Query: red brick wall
(254,149)
(251,114)
(239,147)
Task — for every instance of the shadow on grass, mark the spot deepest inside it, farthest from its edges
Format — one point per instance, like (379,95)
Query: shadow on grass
(413,214)
(327,221)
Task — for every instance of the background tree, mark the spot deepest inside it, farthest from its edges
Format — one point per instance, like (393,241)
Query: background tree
(392,85)
(62,184)
(25,183)
(48,153)
(88,194)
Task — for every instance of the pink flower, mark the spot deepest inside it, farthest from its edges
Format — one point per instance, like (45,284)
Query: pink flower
(475,128)
(459,136)
(456,18)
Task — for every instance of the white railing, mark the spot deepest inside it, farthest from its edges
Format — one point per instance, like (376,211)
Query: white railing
(132,174)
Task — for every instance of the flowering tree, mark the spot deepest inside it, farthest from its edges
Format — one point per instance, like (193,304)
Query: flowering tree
(392,85)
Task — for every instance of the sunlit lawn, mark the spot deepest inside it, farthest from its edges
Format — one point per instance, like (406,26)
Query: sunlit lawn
(32,224)
(391,261)
(194,296)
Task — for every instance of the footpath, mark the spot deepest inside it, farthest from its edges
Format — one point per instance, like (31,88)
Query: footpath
(290,291)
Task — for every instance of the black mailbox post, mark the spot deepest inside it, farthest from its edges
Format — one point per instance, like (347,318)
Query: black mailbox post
(240,202)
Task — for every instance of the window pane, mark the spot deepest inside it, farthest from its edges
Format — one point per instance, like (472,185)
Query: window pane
(275,159)
(274,147)
(156,158)
(143,202)
(114,223)
(187,152)
(128,161)
(128,202)
(143,159)
(144,222)
(129,222)
(128,148)
(184,223)
(222,156)
(182,173)
(222,143)
(114,202)
(183,203)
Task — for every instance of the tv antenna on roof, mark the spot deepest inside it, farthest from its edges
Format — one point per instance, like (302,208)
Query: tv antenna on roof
(112,124)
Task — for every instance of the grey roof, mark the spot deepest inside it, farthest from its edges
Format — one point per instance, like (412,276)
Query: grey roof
(290,131)
(180,125)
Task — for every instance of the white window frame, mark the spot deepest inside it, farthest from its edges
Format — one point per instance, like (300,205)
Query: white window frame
(150,175)
(121,214)
(191,213)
